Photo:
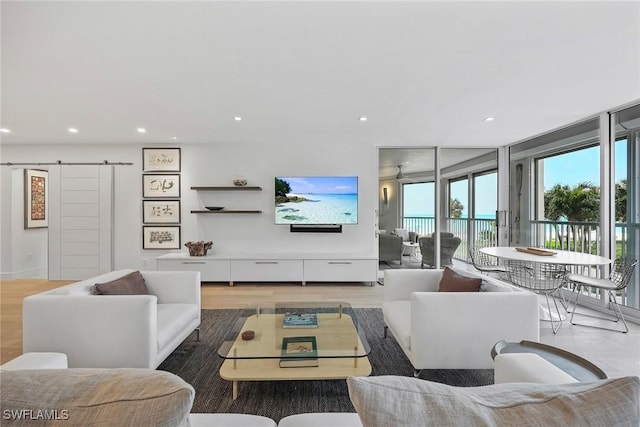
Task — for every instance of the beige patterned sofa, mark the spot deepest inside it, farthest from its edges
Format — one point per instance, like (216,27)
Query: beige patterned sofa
(144,397)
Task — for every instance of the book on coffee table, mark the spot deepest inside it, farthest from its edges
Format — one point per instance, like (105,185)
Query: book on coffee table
(300,320)
(298,352)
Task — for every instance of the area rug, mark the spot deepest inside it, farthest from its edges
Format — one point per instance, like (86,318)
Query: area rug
(198,364)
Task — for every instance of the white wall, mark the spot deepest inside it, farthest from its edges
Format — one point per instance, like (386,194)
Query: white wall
(24,251)
(6,257)
(215,165)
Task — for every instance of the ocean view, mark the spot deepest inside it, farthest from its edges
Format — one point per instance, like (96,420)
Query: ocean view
(422,215)
(319,209)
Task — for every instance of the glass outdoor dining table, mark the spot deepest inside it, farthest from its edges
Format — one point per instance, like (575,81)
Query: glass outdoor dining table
(557,257)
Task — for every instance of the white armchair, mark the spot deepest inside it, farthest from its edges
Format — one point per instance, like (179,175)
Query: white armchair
(455,330)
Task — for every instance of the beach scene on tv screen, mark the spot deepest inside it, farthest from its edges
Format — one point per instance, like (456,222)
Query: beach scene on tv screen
(316,200)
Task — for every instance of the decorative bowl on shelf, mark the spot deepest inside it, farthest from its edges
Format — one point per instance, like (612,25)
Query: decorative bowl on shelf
(215,208)
(240,181)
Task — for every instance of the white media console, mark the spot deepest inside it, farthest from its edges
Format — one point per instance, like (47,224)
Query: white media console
(275,267)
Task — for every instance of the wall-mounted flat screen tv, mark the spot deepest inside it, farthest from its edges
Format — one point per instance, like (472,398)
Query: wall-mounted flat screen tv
(316,200)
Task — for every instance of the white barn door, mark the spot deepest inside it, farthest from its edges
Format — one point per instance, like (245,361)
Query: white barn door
(80,221)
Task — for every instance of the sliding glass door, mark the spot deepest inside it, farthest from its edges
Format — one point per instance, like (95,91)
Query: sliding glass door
(459,199)
(626,217)
(577,189)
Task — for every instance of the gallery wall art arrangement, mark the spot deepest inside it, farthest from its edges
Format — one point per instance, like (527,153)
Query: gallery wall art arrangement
(161,198)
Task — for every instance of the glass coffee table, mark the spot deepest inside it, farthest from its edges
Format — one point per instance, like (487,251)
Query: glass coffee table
(253,349)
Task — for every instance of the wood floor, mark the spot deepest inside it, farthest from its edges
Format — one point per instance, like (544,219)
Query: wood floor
(616,353)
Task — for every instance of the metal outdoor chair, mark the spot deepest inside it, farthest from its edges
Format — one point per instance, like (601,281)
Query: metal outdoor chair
(484,263)
(621,273)
(541,278)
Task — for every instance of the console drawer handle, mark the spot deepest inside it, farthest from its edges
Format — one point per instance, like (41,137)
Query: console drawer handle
(340,262)
(193,262)
(266,262)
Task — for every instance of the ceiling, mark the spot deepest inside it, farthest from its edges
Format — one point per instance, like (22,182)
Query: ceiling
(424,73)
(418,163)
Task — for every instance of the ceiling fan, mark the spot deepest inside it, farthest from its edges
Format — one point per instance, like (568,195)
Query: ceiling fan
(407,179)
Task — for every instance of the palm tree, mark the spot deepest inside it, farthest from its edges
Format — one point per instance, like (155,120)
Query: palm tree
(580,203)
(621,201)
(455,208)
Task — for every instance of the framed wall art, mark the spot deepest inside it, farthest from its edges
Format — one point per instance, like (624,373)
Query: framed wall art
(161,211)
(36,188)
(156,237)
(160,186)
(161,160)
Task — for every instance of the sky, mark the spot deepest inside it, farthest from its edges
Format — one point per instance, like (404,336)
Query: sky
(322,184)
(583,165)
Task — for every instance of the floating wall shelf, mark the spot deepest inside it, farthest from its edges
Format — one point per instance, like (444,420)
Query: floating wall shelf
(226,211)
(209,188)
(230,211)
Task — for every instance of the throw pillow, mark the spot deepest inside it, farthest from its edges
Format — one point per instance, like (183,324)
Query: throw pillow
(97,397)
(454,282)
(402,233)
(130,284)
(384,401)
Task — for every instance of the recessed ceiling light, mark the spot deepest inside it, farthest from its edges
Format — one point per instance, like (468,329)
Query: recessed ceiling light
(73,130)
(489,119)
(363,119)
(5,130)
(141,130)
(237,118)
(174,138)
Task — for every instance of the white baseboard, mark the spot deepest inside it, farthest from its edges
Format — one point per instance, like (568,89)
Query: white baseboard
(32,273)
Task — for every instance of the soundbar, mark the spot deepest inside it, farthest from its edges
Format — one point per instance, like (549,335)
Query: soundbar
(315,228)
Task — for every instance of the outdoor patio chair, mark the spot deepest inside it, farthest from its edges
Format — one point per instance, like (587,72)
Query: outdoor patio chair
(621,273)
(448,245)
(541,278)
(484,263)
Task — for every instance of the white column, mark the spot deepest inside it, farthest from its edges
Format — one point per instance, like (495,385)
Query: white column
(607,184)
(503,196)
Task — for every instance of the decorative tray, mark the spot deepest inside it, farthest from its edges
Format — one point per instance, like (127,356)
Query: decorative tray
(536,251)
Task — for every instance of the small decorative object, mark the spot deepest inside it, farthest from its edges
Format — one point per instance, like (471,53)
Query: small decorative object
(248,335)
(215,208)
(198,248)
(240,181)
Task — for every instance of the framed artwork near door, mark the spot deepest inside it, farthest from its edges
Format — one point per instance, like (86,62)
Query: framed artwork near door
(161,186)
(161,211)
(161,160)
(36,187)
(156,237)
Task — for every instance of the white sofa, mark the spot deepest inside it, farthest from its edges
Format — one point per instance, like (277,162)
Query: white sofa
(114,331)
(455,330)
